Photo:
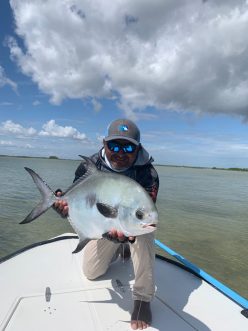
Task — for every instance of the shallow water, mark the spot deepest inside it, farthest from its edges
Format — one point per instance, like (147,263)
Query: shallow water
(203,213)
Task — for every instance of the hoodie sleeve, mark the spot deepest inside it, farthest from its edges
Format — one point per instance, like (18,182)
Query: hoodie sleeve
(147,177)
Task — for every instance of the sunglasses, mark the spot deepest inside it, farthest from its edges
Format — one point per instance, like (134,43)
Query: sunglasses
(115,147)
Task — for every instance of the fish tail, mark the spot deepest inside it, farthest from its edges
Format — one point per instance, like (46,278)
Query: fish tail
(48,197)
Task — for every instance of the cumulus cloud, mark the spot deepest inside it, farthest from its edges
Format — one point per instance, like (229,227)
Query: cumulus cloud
(51,129)
(28,146)
(96,105)
(36,103)
(4,80)
(6,104)
(174,55)
(6,143)
(9,127)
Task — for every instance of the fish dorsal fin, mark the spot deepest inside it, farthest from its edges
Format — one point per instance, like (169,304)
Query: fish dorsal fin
(90,167)
(107,210)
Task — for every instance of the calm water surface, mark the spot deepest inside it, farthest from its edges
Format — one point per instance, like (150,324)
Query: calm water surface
(203,213)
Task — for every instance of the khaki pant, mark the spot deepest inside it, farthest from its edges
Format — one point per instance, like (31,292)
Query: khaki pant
(98,255)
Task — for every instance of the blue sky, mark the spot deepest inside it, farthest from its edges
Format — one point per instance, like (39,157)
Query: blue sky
(178,69)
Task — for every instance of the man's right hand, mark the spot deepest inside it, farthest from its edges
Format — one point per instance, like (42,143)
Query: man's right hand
(61,206)
(118,237)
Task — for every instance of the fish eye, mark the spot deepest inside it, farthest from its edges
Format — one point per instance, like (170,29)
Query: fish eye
(139,214)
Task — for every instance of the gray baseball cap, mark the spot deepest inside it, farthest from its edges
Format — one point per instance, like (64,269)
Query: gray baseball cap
(123,129)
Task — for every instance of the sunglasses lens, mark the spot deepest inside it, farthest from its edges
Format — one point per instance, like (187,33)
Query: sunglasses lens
(115,147)
(128,148)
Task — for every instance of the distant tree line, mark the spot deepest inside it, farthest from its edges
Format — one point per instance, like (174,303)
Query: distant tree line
(232,169)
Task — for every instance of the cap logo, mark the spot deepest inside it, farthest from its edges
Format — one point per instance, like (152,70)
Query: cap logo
(123,127)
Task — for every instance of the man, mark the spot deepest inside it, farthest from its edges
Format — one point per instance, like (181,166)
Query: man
(123,153)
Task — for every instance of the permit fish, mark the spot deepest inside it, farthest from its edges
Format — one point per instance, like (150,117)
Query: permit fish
(98,202)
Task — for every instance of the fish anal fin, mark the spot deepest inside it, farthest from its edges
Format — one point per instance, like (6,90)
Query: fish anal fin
(81,245)
(107,210)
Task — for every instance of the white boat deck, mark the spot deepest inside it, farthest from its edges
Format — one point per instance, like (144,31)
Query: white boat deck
(44,289)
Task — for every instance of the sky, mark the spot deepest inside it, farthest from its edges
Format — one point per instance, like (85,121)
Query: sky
(178,69)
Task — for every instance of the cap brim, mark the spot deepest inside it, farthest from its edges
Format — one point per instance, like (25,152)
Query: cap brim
(135,142)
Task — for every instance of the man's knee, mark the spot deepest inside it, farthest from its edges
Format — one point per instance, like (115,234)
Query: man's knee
(92,272)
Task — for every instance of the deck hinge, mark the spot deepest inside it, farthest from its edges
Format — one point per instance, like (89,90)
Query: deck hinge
(48,294)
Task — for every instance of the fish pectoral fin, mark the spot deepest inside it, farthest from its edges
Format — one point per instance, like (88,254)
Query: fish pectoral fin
(81,245)
(107,210)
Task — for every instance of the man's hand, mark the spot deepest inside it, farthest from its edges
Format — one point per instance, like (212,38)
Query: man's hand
(61,206)
(118,236)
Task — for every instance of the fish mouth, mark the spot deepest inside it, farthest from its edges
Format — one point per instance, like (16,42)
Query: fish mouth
(149,226)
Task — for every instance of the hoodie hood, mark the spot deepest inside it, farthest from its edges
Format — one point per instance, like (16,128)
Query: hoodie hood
(143,157)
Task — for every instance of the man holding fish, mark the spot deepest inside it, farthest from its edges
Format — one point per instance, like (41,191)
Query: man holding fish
(122,153)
